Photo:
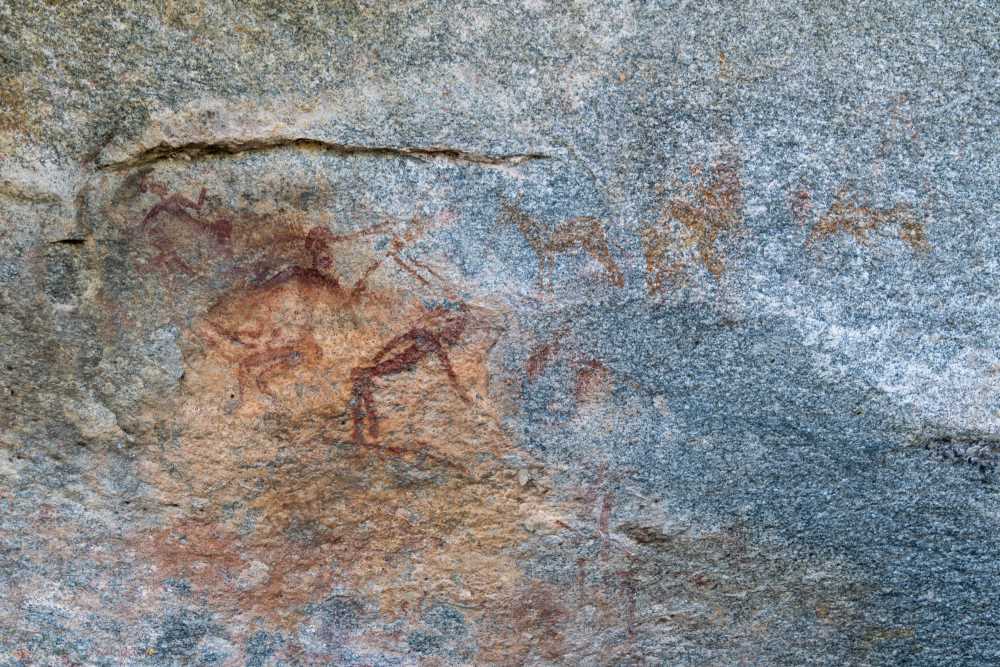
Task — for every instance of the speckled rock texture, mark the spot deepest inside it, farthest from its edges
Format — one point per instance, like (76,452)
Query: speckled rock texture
(499,333)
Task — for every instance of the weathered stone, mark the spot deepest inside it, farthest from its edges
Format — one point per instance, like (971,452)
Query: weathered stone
(515,333)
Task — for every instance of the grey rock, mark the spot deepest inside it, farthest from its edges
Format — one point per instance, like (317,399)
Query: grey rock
(499,333)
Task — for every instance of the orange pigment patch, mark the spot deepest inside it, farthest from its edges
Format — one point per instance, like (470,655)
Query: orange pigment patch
(280,500)
(851,215)
(694,225)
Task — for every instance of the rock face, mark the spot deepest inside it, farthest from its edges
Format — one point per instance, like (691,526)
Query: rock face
(527,333)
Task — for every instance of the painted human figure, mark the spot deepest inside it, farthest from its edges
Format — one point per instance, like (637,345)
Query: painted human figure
(271,330)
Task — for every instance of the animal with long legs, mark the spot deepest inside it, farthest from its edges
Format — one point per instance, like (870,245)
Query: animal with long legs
(695,225)
(580,233)
(178,207)
(281,335)
(440,329)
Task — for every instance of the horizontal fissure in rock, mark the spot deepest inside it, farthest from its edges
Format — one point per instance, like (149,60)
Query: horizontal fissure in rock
(200,150)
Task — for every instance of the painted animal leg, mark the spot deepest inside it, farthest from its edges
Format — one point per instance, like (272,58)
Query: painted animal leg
(711,260)
(442,356)
(362,405)
(599,250)
(243,378)
(654,278)
(286,362)
(405,265)
(543,271)
(264,365)
(306,350)
(373,431)
(413,272)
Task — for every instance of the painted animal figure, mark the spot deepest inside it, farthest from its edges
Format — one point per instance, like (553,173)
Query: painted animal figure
(267,331)
(178,207)
(280,306)
(708,211)
(441,329)
(848,215)
(581,233)
(264,354)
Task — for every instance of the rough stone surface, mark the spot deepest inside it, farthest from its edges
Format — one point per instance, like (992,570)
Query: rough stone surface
(445,333)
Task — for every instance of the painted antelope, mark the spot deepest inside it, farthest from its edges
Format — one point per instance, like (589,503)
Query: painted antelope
(177,207)
(440,329)
(269,330)
(580,233)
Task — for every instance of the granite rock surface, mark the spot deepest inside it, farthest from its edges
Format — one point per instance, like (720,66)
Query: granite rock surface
(500,333)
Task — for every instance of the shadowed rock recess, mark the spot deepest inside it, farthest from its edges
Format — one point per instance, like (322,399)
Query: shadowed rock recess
(499,333)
